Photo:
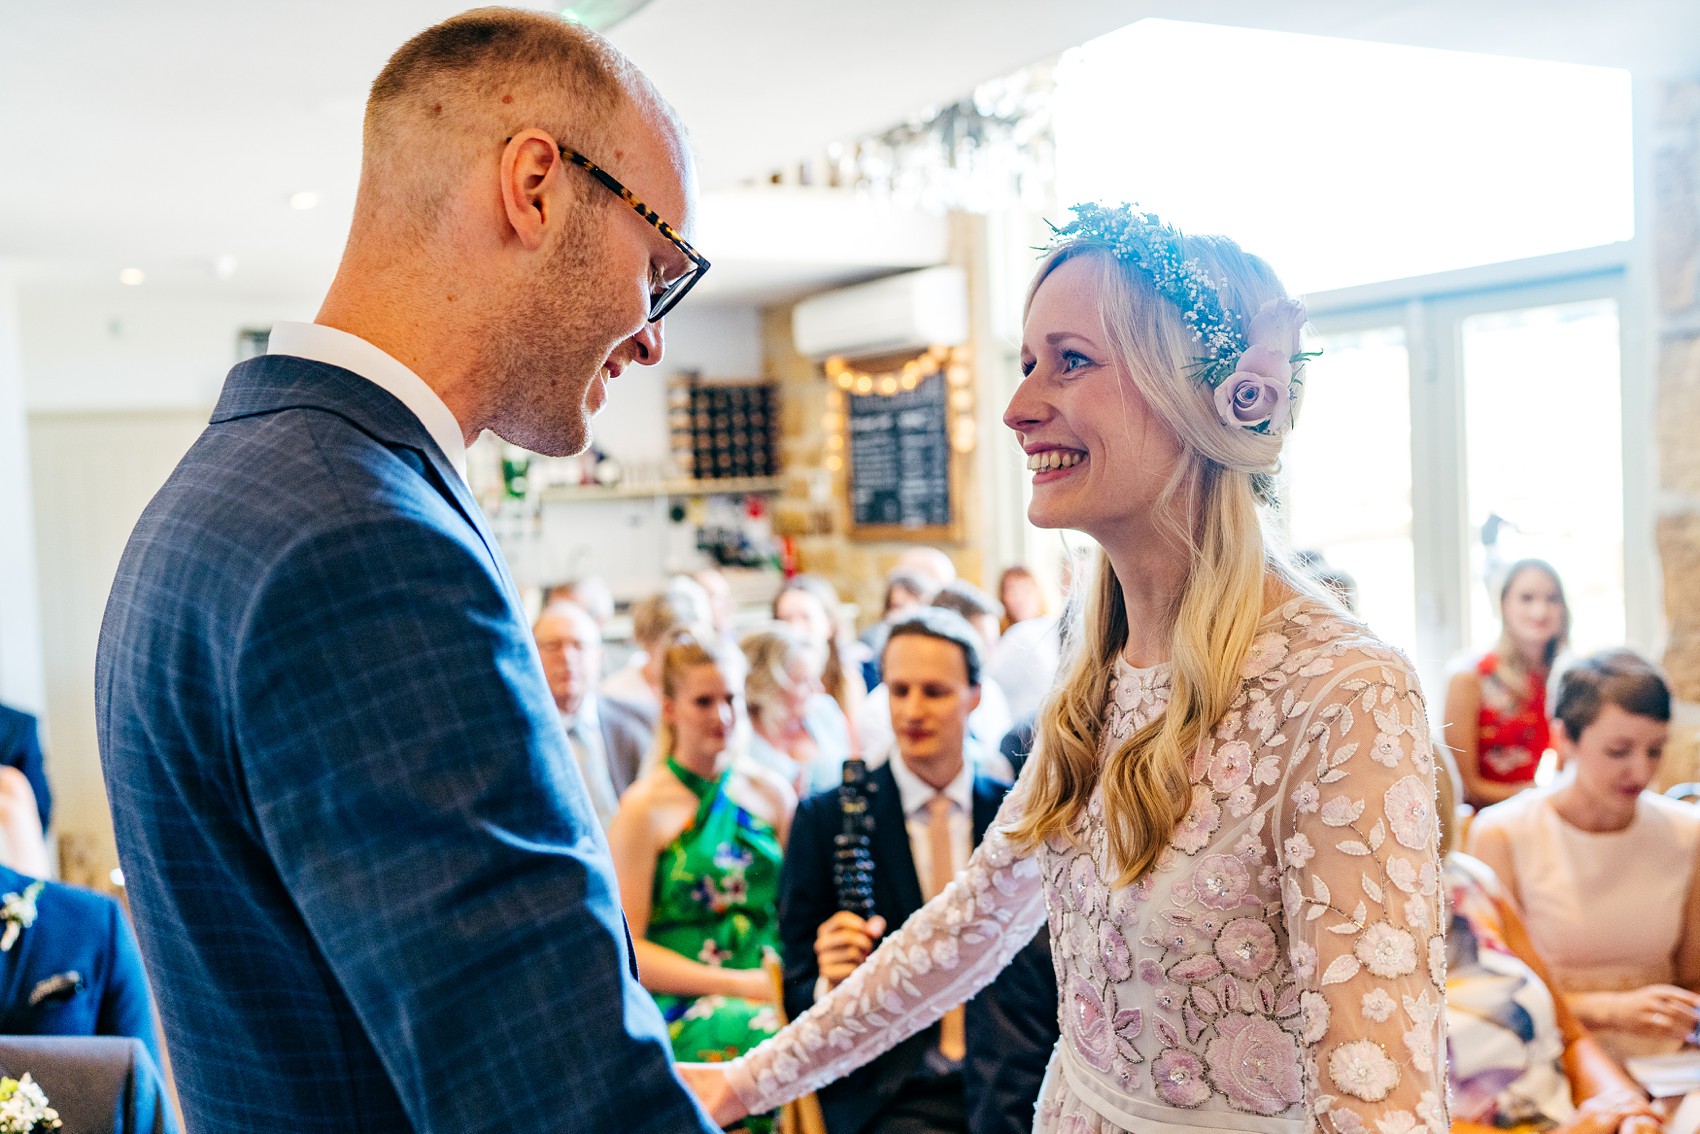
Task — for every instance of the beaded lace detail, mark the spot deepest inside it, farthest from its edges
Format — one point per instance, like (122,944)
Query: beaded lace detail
(1280,966)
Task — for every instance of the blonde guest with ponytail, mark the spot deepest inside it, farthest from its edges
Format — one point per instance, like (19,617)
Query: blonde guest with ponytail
(1228,822)
(697,844)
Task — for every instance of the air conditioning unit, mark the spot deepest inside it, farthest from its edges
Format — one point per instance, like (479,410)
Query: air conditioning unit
(906,312)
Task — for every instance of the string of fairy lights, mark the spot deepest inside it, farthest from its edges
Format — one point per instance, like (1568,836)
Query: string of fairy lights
(848,379)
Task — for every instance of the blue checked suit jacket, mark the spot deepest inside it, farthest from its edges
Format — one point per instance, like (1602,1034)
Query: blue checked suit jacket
(368,884)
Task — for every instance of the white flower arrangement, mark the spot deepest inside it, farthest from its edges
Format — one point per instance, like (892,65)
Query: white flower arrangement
(23,1107)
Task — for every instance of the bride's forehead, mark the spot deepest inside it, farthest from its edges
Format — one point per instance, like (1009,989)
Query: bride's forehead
(1066,301)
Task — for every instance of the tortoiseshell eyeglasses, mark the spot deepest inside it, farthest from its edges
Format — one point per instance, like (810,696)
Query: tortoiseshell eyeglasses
(664,292)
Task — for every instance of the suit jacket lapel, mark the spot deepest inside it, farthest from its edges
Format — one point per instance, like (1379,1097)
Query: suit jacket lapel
(278,382)
(894,870)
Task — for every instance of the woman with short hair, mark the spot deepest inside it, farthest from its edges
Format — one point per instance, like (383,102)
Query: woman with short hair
(1606,872)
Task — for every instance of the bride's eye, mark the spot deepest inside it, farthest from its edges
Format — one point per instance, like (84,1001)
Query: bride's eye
(1074,360)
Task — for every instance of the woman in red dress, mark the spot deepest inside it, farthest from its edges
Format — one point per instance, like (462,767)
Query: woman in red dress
(1496,703)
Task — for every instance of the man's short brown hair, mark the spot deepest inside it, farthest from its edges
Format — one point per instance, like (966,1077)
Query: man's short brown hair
(459,88)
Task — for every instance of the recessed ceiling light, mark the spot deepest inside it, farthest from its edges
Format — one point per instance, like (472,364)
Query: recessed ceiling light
(304,200)
(224,266)
(132,277)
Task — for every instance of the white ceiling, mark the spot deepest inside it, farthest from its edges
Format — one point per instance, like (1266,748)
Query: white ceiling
(167,135)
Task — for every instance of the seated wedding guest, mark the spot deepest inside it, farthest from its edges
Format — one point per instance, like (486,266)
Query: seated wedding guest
(797,732)
(1603,870)
(929,561)
(990,719)
(979,1069)
(608,736)
(904,591)
(69,965)
(697,845)
(654,617)
(809,603)
(20,748)
(1517,1057)
(1022,597)
(589,593)
(1496,703)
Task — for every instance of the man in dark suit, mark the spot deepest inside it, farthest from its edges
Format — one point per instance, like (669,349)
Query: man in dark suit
(20,748)
(979,1069)
(368,884)
(608,737)
(69,966)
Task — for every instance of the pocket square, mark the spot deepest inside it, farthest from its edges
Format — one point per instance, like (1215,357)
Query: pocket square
(62,986)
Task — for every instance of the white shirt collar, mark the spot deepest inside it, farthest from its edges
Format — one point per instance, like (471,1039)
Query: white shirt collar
(586,715)
(318,343)
(914,793)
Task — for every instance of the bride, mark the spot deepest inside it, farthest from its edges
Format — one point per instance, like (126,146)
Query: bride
(1229,822)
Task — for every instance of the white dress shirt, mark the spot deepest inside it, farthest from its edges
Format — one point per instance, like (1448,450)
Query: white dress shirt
(318,343)
(584,738)
(913,794)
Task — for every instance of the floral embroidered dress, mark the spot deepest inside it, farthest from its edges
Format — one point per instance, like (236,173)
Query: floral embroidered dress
(716,900)
(1512,726)
(1281,967)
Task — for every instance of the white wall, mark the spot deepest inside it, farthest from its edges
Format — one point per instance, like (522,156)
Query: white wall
(133,349)
(22,683)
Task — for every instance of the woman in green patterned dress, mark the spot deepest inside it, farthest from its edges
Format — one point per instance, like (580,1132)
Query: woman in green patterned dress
(697,846)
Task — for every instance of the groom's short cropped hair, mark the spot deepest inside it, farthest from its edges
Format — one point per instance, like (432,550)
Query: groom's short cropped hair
(946,626)
(458,90)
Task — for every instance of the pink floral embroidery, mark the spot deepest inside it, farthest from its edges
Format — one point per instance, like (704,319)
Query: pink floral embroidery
(1316,1016)
(1247,947)
(1222,882)
(1299,851)
(1086,1023)
(1113,951)
(1267,651)
(1234,1001)
(1410,812)
(1255,1064)
(1179,1077)
(1230,766)
(1377,1005)
(1362,1070)
(1386,950)
(1200,822)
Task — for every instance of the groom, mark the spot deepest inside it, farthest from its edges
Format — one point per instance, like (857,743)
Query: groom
(368,884)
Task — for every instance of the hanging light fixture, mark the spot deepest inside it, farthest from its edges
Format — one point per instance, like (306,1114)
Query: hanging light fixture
(600,14)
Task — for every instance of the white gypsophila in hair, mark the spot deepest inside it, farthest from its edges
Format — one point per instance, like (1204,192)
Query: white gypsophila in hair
(1253,372)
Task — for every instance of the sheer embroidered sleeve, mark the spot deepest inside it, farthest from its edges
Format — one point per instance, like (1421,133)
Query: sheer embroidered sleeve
(950,949)
(1361,891)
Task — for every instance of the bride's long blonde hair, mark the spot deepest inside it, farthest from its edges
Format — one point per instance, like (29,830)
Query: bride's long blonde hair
(1216,490)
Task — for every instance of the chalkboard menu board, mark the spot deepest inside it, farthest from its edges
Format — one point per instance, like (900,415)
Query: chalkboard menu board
(900,458)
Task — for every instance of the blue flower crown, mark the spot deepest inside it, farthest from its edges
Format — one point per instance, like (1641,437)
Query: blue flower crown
(1141,239)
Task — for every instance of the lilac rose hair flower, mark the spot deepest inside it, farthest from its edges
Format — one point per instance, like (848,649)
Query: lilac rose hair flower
(1258,394)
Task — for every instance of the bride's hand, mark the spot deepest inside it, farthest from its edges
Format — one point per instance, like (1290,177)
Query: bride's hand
(709,1083)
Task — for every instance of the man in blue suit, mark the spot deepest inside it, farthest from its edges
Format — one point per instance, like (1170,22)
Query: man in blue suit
(368,884)
(977,1071)
(20,748)
(69,966)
